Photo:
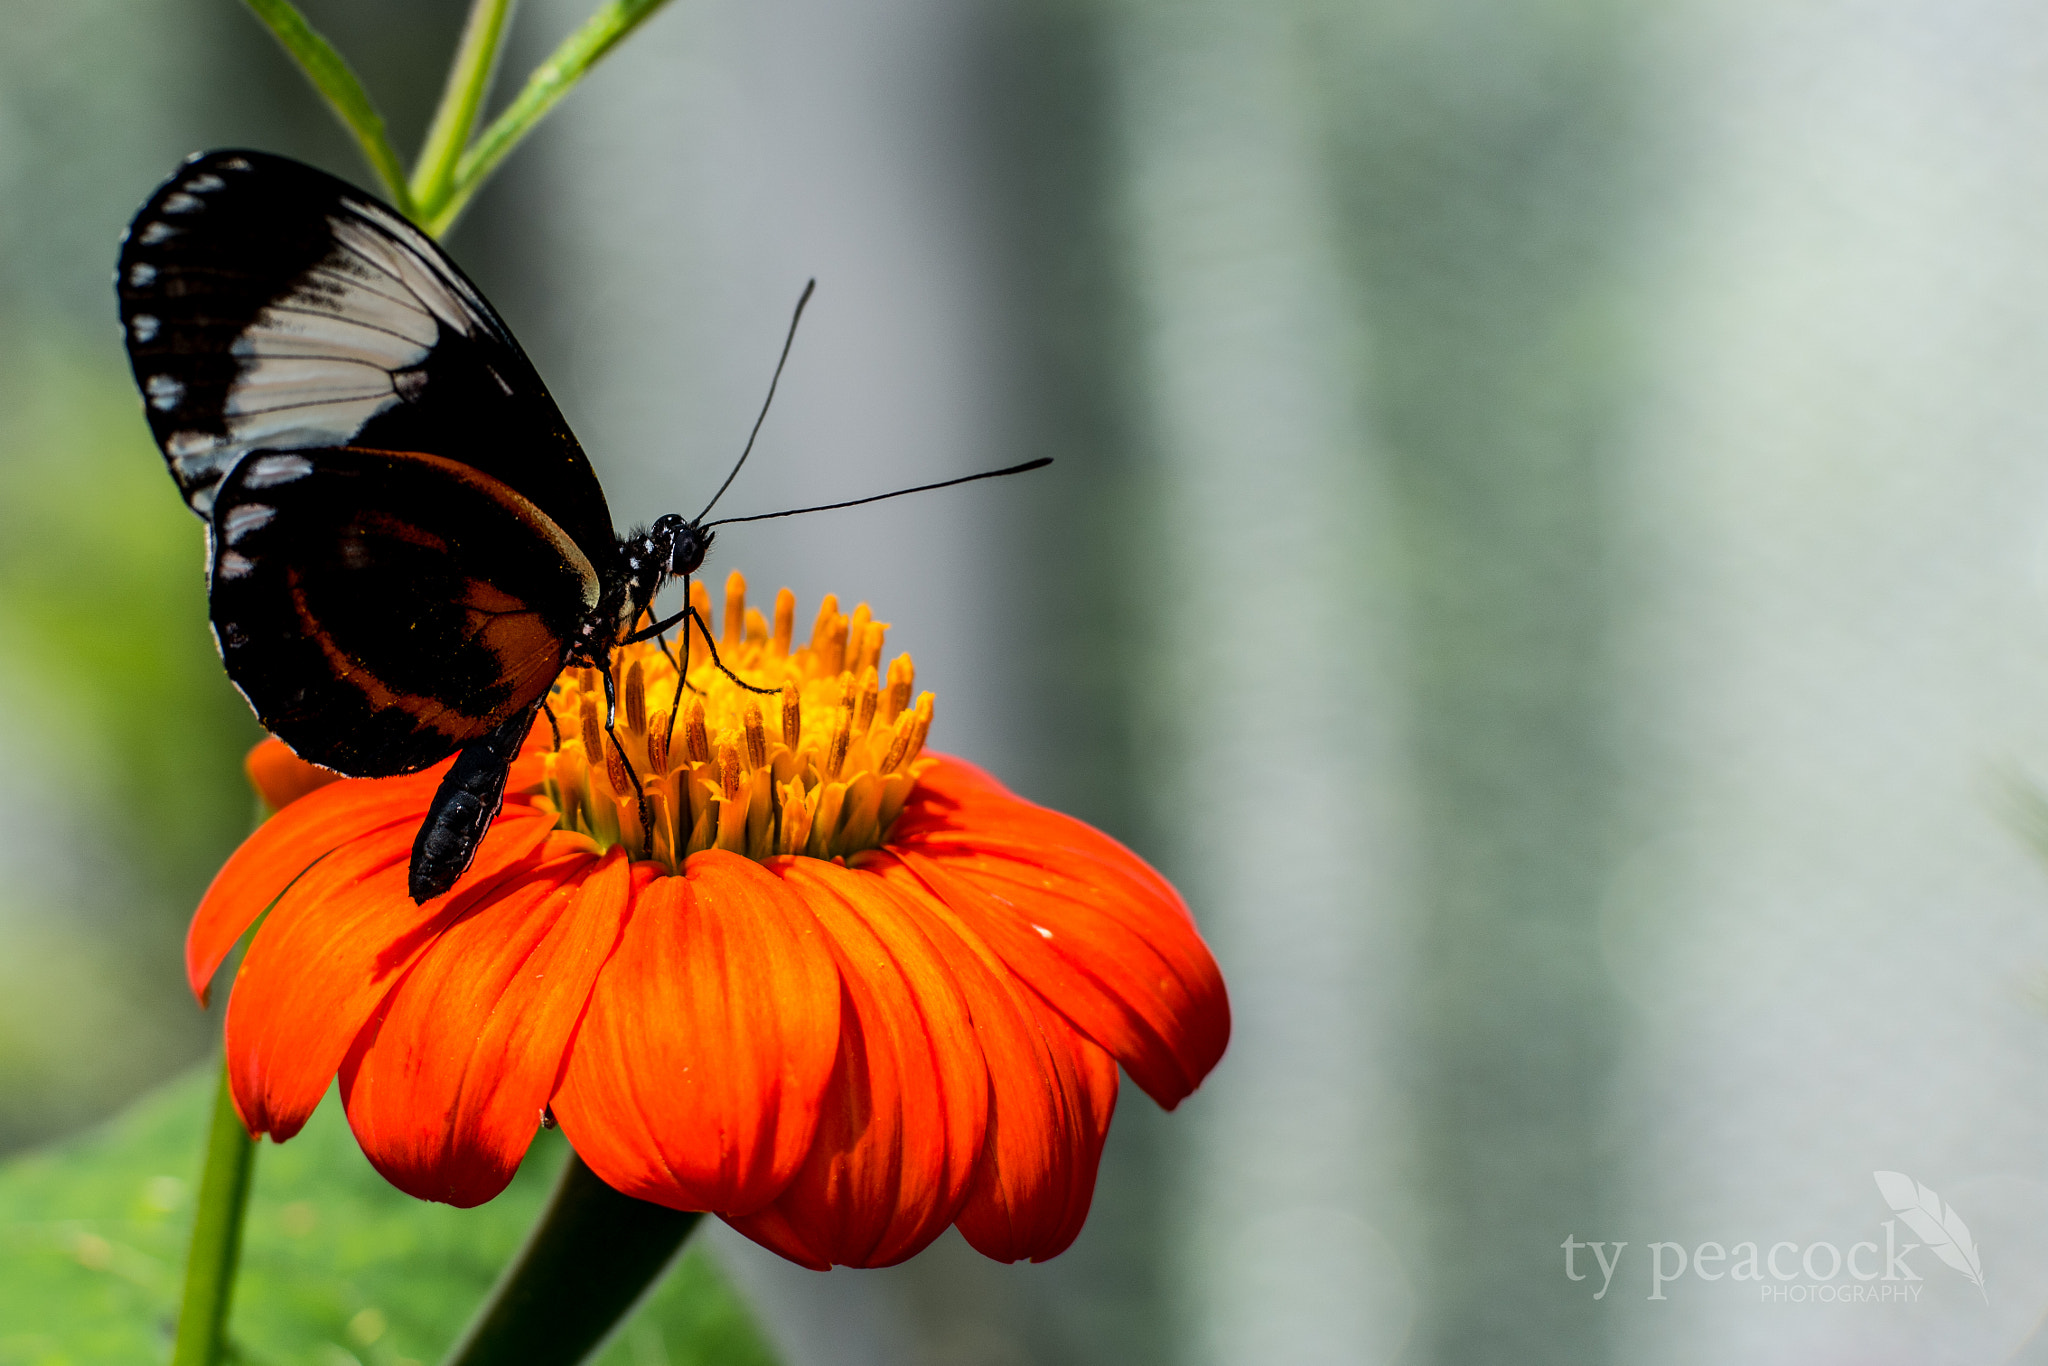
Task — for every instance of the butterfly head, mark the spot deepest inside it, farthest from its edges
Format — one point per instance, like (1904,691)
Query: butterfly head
(678,545)
(670,549)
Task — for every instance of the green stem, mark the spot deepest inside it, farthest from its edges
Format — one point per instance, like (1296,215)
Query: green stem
(586,1263)
(469,81)
(551,80)
(216,1236)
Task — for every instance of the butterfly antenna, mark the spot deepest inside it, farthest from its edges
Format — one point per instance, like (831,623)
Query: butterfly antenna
(1028,465)
(787,342)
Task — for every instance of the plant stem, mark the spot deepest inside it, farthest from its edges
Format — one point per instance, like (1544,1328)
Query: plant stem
(587,1261)
(216,1236)
(462,98)
(551,80)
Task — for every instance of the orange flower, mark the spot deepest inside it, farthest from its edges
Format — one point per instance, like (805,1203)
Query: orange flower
(846,994)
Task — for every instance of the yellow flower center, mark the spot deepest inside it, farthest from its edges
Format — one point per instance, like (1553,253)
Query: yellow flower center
(818,765)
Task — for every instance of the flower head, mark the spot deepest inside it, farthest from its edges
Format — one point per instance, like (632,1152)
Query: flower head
(842,993)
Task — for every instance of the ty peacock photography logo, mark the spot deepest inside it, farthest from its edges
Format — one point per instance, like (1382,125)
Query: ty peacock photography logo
(1937,1225)
(1785,1272)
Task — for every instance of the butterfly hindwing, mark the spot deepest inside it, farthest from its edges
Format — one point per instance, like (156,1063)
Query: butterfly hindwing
(382,609)
(268,305)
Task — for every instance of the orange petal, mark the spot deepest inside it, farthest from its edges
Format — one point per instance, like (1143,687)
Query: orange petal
(1098,1079)
(1049,1114)
(330,951)
(1082,919)
(695,1078)
(282,848)
(1052,1094)
(901,1130)
(446,1085)
(281,777)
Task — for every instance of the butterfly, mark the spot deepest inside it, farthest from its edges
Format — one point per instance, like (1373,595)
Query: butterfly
(405,543)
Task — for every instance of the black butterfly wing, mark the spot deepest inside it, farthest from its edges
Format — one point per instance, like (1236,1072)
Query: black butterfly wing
(267,305)
(382,609)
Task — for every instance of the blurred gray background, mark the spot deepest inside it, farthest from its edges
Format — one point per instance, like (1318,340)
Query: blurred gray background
(1549,549)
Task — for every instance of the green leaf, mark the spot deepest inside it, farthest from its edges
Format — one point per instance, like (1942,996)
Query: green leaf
(334,80)
(551,80)
(338,1268)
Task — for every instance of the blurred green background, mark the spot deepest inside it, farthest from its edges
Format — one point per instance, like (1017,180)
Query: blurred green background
(1547,549)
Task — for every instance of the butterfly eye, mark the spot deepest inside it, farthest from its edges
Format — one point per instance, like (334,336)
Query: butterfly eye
(692,543)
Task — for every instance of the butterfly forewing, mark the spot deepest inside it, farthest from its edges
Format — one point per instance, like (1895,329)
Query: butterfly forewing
(268,305)
(381,609)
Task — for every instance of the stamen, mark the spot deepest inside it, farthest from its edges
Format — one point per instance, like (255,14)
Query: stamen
(792,715)
(635,700)
(696,740)
(828,636)
(898,747)
(593,733)
(757,738)
(901,676)
(757,627)
(835,758)
(657,744)
(864,711)
(825,625)
(729,770)
(857,635)
(615,770)
(735,618)
(870,654)
(921,727)
(785,623)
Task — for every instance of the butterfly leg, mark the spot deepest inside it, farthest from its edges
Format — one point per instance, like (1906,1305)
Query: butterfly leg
(681,681)
(650,631)
(463,808)
(682,671)
(675,703)
(689,614)
(611,707)
(661,639)
(710,645)
(686,618)
(553,724)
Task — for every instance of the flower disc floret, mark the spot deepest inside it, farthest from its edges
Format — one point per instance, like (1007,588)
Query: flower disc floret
(815,754)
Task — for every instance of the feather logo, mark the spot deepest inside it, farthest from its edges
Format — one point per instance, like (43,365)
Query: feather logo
(1936,1224)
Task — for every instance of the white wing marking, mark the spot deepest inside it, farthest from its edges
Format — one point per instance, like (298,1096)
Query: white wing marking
(271,470)
(317,364)
(242,520)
